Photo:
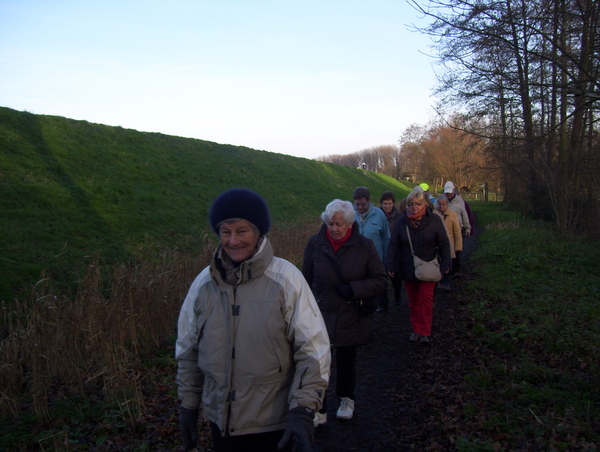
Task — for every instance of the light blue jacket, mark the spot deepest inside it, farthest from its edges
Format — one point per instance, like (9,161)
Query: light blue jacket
(375,227)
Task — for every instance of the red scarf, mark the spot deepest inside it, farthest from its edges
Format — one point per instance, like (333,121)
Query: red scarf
(336,244)
(418,216)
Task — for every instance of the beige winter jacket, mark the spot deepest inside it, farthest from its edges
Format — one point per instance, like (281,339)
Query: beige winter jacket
(453,229)
(253,350)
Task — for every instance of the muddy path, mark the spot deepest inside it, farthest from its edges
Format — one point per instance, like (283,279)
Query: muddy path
(406,392)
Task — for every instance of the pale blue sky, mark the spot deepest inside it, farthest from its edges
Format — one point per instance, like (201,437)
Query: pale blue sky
(305,78)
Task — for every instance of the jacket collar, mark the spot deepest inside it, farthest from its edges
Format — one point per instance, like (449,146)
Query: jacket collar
(251,268)
(393,214)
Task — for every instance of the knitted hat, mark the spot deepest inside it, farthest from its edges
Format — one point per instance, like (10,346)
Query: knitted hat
(240,203)
(449,187)
(424,186)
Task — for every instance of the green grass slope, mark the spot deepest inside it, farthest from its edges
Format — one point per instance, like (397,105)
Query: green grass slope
(71,189)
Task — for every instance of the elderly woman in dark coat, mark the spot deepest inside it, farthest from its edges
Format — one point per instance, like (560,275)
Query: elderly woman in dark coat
(342,267)
(429,240)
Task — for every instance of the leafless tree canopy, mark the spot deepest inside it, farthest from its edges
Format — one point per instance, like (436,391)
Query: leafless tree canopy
(436,153)
(524,75)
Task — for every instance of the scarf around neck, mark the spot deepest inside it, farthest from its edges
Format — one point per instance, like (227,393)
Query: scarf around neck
(337,244)
(418,216)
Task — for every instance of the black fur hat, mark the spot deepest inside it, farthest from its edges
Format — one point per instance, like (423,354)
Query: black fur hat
(240,203)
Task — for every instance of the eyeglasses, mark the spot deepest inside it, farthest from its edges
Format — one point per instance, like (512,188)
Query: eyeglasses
(361,204)
(415,204)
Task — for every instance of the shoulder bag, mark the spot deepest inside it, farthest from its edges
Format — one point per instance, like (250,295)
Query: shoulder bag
(424,270)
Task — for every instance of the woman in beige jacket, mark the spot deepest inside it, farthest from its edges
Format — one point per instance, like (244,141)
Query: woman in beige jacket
(454,234)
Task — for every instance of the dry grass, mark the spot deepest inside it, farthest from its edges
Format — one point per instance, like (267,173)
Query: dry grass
(57,345)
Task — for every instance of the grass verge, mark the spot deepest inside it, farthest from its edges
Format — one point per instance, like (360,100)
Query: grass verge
(535,316)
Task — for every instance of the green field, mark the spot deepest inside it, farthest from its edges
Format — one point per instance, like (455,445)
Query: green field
(71,190)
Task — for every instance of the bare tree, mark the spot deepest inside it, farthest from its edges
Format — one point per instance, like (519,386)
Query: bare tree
(525,73)
(440,151)
(381,159)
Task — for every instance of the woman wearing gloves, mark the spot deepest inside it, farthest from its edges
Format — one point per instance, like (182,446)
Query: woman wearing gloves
(252,345)
(343,267)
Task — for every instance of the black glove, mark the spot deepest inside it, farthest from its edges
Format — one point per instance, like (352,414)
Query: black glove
(345,291)
(188,424)
(299,428)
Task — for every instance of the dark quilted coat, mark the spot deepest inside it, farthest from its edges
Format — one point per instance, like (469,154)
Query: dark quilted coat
(361,267)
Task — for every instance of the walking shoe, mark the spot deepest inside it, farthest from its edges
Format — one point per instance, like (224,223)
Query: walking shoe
(414,337)
(346,410)
(320,419)
(424,340)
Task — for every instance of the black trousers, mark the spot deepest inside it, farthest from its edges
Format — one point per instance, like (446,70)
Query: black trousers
(456,263)
(257,442)
(345,366)
(397,285)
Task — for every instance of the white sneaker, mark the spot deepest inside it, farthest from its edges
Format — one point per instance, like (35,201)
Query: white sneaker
(320,419)
(346,410)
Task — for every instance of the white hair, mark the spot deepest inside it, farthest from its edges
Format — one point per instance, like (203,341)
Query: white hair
(338,206)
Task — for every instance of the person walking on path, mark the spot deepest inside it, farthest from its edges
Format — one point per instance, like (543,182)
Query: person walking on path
(454,234)
(457,204)
(343,269)
(387,201)
(422,230)
(373,224)
(252,346)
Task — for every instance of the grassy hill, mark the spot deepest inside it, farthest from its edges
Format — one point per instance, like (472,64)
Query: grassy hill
(71,190)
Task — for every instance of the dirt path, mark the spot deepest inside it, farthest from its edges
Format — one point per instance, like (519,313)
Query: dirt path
(405,391)
(408,396)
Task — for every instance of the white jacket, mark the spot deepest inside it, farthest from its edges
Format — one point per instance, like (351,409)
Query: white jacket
(457,204)
(253,350)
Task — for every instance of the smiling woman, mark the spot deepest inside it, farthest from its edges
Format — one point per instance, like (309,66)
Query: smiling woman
(249,318)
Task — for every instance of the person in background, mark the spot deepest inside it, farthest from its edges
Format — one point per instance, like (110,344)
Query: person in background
(252,345)
(454,234)
(429,240)
(457,204)
(428,194)
(470,215)
(373,224)
(387,202)
(342,268)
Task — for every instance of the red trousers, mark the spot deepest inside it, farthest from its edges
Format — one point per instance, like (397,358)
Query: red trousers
(420,303)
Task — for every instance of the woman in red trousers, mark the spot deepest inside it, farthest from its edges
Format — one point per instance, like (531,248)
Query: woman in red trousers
(429,241)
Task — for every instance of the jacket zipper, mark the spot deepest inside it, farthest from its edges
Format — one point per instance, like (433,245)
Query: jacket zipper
(235,312)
